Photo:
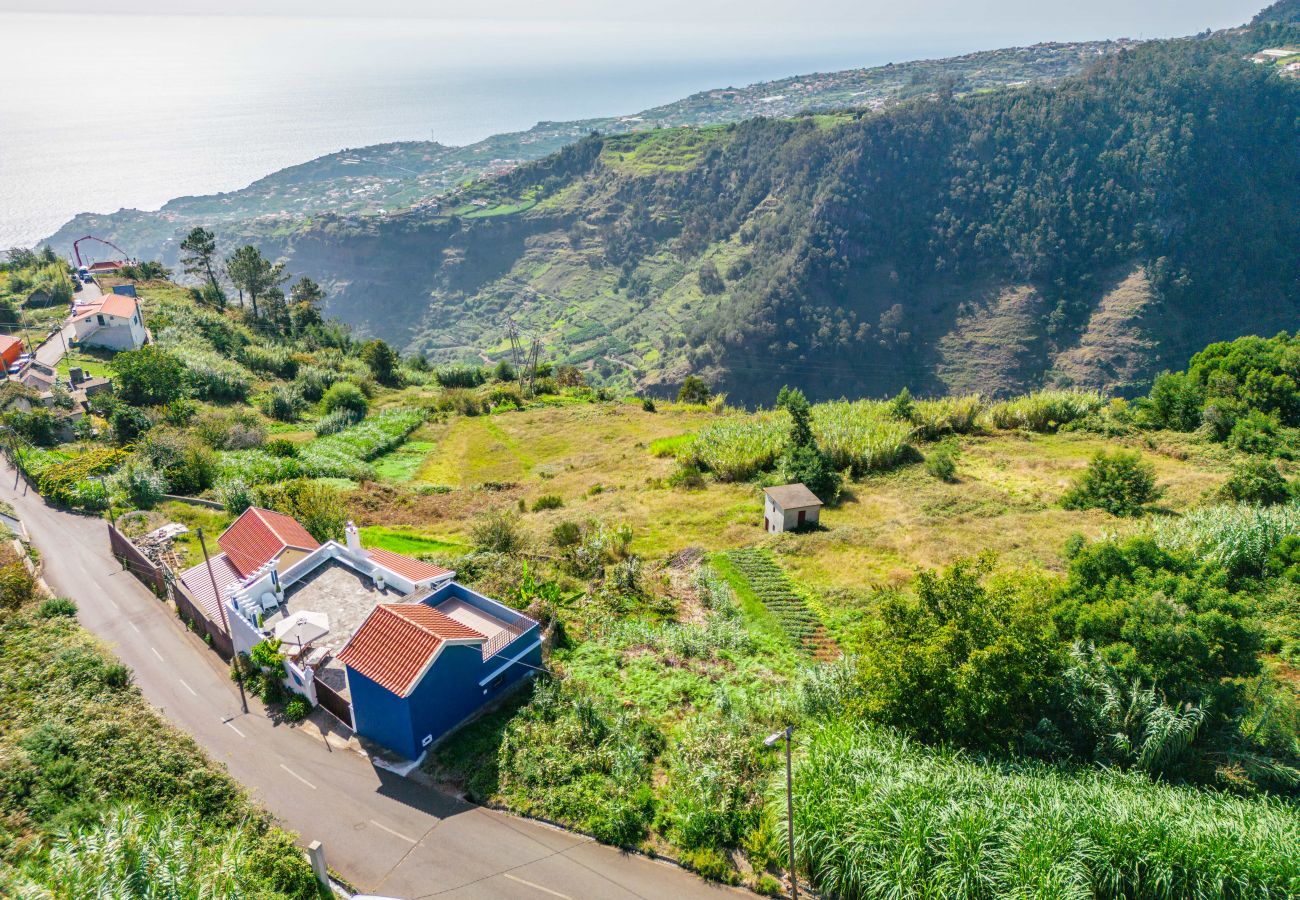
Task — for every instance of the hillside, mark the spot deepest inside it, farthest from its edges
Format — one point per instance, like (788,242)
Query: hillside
(389,177)
(1088,233)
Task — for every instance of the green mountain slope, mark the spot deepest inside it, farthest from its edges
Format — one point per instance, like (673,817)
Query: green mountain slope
(1087,233)
(387,177)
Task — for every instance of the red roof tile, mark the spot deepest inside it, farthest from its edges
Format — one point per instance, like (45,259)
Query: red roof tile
(199,584)
(259,536)
(118,305)
(414,569)
(397,641)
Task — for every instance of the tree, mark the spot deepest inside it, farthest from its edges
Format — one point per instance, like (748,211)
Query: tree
(1257,481)
(305,299)
(966,657)
(803,462)
(382,361)
(149,376)
(254,274)
(1121,483)
(198,253)
(710,281)
(694,390)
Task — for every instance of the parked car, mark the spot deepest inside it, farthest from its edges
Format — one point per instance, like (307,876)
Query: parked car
(16,368)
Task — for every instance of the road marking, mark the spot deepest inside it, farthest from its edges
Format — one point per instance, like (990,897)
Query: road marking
(544,890)
(157,654)
(135,626)
(392,832)
(112,604)
(299,777)
(187,687)
(226,722)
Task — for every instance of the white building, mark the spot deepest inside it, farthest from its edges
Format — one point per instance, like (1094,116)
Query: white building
(113,323)
(788,507)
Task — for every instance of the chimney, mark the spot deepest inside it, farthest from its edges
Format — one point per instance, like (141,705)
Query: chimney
(353,538)
(75,375)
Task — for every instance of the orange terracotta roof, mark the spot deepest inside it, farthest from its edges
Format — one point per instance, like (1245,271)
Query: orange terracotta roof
(104,266)
(118,305)
(259,536)
(414,569)
(398,641)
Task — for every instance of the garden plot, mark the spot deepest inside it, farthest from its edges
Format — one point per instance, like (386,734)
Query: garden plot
(782,598)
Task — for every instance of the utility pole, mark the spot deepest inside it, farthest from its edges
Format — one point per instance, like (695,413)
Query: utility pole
(225,621)
(770,740)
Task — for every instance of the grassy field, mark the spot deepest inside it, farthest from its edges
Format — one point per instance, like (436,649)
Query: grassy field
(610,461)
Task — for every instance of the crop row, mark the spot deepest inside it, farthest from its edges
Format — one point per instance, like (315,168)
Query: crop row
(778,593)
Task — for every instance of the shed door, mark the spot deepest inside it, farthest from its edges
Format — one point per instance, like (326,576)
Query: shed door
(802,513)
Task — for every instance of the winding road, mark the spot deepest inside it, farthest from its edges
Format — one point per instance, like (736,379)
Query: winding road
(385,834)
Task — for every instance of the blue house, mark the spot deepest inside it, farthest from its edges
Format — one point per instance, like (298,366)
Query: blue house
(416,670)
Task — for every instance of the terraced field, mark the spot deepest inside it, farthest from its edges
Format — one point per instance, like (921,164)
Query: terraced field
(782,598)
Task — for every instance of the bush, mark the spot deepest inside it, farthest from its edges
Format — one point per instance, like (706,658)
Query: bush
(283,403)
(317,505)
(56,607)
(1120,483)
(647,404)
(128,424)
(312,382)
(339,420)
(1257,481)
(143,486)
(297,708)
(186,463)
(547,501)
(37,426)
(149,376)
(942,463)
(1254,433)
(566,534)
(460,376)
(345,396)
(497,533)
(282,447)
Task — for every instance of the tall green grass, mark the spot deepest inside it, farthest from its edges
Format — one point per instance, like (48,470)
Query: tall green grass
(1239,538)
(738,447)
(941,416)
(876,816)
(861,435)
(347,454)
(1044,410)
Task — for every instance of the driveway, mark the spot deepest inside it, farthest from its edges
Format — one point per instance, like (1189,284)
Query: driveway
(385,834)
(51,352)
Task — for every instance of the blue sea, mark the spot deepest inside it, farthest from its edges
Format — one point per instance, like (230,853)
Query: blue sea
(109,111)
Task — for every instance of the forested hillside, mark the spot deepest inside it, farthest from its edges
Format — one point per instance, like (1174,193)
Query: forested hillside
(1088,233)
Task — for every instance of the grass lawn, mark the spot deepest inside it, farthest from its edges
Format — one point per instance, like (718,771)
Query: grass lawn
(409,541)
(92,362)
(404,462)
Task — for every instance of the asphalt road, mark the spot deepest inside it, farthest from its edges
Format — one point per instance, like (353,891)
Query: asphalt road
(385,834)
(52,351)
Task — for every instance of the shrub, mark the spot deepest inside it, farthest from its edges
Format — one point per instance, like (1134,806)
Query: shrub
(317,505)
(1257,481)
(297,708)
(239,429)
(345,396)
(548,501)
(143,486)
(566,534)
(214,377)
(282,447)
(186,463)
(149,376)
(497,532)
(1120,483)
(128,424)
(17,584)
(381,360)
(235,495)
(942,463)
(968,657)
(1255,433)
(37,426)
(312,382)
(57,606)
(714,778)
(283,403)
(460,376)
(647,404)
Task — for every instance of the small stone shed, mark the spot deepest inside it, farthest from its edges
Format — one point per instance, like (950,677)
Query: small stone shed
(789,507)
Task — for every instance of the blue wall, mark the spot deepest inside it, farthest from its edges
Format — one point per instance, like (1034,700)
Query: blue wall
(447,694)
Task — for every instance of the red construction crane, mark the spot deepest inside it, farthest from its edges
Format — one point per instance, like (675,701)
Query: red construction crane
(76,248)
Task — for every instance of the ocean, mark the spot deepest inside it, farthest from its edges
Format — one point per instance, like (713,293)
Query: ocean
(109,111)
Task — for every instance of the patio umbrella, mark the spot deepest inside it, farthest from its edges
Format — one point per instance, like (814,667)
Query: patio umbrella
(303,627)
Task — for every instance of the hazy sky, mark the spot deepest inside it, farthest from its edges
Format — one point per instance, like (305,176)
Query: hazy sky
(1045,19)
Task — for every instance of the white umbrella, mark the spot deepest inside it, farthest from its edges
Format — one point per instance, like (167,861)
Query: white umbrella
(303,627)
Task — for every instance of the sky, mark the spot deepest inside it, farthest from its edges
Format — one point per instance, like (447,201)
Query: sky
(1047,19)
